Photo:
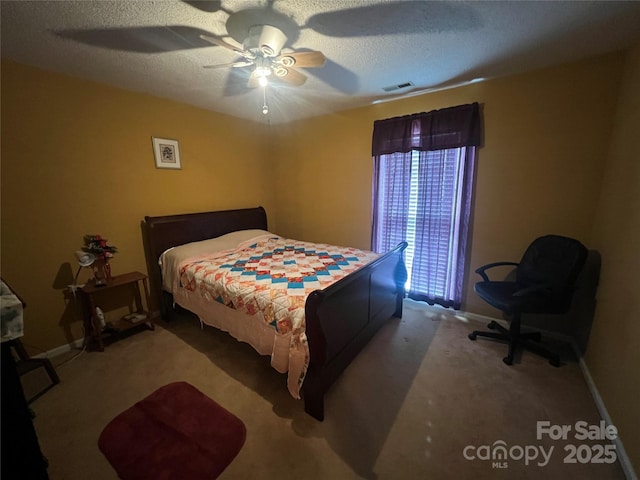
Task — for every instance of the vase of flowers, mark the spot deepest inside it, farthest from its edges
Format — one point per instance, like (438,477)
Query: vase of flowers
(98,246)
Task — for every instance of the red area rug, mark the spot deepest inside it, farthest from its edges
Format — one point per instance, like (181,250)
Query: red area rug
(177,432)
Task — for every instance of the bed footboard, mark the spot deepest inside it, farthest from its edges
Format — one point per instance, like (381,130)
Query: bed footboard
(341,319)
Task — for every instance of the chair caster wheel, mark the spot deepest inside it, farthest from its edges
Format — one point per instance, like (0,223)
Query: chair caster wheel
(508,360)
(472,336)
(555,361)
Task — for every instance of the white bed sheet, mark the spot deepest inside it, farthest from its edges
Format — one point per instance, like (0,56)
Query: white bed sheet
(245,328)
(170,259)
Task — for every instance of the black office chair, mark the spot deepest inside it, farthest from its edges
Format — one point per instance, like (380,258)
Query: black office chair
(544,282)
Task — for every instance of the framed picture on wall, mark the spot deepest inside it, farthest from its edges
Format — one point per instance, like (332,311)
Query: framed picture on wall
(166,152)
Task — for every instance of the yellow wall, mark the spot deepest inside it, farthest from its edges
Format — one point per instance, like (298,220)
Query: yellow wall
(539,170)
(547,147)
(77,159)
(613,356)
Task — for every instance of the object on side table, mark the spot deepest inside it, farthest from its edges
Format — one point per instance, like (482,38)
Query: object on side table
(101,251)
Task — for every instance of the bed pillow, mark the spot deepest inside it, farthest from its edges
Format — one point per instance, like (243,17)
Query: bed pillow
(171,258)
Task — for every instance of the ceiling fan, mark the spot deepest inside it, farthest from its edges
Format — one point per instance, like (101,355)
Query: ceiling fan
(262,49)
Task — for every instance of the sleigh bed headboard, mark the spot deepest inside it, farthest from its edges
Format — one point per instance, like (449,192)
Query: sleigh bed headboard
(161,233)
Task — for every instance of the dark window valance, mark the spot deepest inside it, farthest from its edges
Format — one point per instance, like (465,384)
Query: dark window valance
(452,127)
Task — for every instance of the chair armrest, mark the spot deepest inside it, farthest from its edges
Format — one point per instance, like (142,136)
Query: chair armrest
(481,270)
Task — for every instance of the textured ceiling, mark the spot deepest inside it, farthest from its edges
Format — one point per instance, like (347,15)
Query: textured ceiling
(154,46)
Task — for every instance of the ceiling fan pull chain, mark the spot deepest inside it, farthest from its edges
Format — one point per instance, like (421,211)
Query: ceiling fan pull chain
(265,108)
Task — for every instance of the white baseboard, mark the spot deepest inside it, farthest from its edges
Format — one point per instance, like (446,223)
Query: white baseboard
(61,349)
(625,462)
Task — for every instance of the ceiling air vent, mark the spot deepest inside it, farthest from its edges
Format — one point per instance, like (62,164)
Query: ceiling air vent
(399,86)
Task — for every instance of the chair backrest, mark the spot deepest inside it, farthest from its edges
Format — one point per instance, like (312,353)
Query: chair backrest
(554,260)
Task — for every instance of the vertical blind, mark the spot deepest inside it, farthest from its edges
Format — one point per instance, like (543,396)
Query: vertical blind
(423,175)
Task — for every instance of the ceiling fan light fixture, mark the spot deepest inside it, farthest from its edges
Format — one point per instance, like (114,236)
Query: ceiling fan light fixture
(262,49)
(270,40)
(262,71)
(287,61)
(267,51)
(263,67)
(280,71)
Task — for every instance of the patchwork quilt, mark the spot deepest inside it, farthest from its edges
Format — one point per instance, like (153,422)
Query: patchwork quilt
(270,277)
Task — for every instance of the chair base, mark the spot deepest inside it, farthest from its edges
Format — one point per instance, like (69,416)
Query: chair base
(516,340)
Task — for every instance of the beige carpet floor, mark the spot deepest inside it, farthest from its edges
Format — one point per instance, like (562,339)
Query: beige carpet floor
(406,408)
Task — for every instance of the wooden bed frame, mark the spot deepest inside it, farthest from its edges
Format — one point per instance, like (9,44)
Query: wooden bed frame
(340,319)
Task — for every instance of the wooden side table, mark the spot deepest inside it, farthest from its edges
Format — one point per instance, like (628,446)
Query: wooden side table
(93,328)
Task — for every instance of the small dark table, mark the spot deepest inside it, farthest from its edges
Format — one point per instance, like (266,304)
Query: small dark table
(93,328)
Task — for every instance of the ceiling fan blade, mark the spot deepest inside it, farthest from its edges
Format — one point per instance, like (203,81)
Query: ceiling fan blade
(292,77)
(302,59)
(222,43)
(232,65)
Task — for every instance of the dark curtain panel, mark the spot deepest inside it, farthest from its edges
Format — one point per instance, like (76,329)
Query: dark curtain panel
(452,127)
(423,179)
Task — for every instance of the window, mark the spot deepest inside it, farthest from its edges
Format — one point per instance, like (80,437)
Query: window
(423,196)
